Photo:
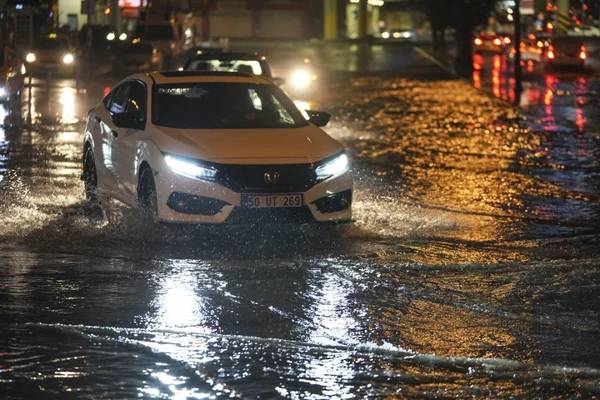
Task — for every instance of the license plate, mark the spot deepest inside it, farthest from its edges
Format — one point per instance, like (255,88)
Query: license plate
(272,200)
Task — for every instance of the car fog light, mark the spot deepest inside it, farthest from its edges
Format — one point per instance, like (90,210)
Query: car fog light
(190,168)
(30,57)
(333,167)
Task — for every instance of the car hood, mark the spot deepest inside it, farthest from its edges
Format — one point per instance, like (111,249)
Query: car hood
(248,146)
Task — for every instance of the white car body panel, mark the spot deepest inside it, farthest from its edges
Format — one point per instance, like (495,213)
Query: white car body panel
(119,158)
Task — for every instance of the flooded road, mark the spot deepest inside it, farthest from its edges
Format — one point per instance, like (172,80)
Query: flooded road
(472,268)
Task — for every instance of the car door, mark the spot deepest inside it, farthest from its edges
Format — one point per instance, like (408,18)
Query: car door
(124,144)
(115,103)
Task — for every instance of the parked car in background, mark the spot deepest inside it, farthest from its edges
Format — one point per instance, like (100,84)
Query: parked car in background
(51,55)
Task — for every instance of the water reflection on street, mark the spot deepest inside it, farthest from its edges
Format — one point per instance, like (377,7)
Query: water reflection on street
(471,268)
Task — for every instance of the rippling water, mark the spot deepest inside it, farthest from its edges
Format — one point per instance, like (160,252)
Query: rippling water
(472,269)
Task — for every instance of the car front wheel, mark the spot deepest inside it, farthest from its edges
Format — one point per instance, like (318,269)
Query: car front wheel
(147,194)
(90,182)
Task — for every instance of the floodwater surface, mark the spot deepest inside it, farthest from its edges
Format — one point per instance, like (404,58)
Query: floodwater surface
(471,269)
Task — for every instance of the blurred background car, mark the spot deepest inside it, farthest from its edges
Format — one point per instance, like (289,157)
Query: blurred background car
(566,51)
(96,48)
(584,30)
(400,34)
(136,56)
(12,73)
(229,62)
(491,42)
(51,55)
(163,36)
(296,73)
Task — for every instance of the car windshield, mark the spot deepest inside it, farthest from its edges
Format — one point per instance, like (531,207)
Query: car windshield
(154,32)
(51,45)
(248,66)
(224,106)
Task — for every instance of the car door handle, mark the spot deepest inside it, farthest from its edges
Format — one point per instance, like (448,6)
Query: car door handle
(115,133)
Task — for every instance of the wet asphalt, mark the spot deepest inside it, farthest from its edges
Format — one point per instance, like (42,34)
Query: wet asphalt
(472,268)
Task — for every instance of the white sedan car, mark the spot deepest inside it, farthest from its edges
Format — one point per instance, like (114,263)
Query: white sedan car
(210,148)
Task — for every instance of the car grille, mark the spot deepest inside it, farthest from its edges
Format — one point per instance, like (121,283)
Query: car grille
(286,178)
(244,216)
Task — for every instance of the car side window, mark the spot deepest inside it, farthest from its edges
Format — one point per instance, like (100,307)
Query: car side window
(118,99)
(136,99)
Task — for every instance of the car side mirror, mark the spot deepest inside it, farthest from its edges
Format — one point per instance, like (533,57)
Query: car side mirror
(131,120)
(319,118)
(279,81)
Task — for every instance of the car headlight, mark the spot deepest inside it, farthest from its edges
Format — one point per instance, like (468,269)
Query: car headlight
(301,79)
(190,168)
(110,36)
(333,167)
(30,57)
(385,35)
(68,58)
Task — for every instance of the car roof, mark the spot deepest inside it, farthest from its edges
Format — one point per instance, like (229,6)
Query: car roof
(226,55)
(166,77)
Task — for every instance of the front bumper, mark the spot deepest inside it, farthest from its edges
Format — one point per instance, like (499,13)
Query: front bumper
(185,200)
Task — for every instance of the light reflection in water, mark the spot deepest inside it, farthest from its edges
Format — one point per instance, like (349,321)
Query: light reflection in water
(175,387)
(334,325)
(3,114)
(551,82)
(67,102)
(580,120)
(178,303)
(496,76)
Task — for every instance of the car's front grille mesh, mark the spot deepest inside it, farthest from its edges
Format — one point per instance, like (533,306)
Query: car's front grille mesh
(286,178)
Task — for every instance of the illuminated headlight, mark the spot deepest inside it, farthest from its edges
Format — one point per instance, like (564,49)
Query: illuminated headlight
(68,58)
(190,168)
(333,167)
(110,36)
(123,36)
(385,35)
(301,79)
(30,57)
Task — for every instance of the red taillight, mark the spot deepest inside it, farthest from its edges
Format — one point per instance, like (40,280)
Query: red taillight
(583,53)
